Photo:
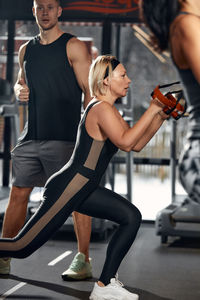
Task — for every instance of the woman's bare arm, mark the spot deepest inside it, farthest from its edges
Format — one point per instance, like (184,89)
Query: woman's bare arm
(124,137)
(150,132)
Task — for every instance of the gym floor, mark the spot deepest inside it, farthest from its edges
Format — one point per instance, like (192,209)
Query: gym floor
(154,271)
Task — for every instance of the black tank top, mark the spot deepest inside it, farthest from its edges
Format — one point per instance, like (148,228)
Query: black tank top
(54,106)
(192,94)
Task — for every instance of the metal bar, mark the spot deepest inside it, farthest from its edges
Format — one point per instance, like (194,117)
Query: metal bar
(143,161)
(106,37)
(10,51)
(173,160)
(6,151)
(118,35)
(129,172)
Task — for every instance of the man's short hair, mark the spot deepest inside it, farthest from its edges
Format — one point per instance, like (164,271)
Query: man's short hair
(58,1)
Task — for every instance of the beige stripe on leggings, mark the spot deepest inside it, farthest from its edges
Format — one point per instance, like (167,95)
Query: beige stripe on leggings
(72,188)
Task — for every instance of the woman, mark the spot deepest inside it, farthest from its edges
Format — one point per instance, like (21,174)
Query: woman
(176,24)
(101,132)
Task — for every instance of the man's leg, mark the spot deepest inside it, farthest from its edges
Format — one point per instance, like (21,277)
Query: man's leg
(14,219)
(82,227)
(80,267)
(15,214)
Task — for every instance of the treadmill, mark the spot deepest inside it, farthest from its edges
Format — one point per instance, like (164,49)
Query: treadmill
(179,219)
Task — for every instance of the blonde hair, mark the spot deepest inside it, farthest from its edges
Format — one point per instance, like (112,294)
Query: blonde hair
(99,68)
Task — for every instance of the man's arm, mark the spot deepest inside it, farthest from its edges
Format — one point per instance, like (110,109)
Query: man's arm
(20,88)
(80,60)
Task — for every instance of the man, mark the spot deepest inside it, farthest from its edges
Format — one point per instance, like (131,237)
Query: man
(53,73)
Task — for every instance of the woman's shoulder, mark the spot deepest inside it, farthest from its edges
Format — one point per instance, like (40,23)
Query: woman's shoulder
(100,104)
(187,23)
(101,108)
(184,26)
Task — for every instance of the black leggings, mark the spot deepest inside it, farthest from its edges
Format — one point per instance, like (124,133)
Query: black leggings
(106,204)
(101,203)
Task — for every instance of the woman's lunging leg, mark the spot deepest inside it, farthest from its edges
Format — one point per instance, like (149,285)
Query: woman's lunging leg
(60,199)
(105,204)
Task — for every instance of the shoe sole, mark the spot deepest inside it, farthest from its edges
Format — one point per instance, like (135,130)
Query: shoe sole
(6,275)
(67,278)
(95,297)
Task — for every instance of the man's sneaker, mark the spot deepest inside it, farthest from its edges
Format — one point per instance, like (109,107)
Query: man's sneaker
(5,266)
(79,269)
(113,291)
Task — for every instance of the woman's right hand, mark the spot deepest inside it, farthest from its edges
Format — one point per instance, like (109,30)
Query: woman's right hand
(160,107)
(158,103)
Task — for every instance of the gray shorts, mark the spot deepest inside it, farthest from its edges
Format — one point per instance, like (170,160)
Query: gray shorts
(33,162)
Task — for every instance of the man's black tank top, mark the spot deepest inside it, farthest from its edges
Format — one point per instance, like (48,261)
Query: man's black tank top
(54,105)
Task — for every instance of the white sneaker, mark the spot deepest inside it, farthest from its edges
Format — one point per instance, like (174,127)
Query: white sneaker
(113,291)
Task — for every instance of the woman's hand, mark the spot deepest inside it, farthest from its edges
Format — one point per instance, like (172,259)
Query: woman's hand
(161,106)
(163,115)
(158,103)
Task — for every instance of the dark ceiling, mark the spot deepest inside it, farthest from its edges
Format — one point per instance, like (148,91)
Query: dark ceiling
(96,10)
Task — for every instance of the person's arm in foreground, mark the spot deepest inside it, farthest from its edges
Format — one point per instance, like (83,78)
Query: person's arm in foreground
(189,38)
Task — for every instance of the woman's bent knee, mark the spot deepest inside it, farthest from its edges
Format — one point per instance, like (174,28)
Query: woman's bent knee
(134,217)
